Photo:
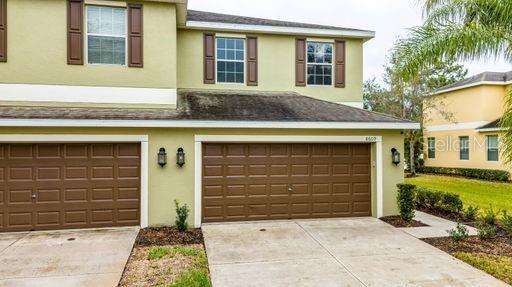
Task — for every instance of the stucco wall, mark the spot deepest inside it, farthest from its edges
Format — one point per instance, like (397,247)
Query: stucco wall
(37,49)
(171,182)
(276,65)
(447,153)
(480,103)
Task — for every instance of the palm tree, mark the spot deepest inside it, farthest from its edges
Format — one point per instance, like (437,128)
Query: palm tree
(462,30)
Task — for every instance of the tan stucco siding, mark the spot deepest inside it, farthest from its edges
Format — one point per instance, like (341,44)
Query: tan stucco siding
(37,49)
(480,103)
(447,150)
(171,182)
(276,65)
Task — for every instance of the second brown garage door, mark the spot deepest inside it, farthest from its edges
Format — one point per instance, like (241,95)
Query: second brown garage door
(79,185)
(285,181)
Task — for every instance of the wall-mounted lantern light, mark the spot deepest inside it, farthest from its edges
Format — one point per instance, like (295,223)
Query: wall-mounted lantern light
(180,157)
(162,157)
(395,156)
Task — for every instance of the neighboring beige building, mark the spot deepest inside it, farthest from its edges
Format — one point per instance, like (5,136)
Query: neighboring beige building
(462,123)
(101,99)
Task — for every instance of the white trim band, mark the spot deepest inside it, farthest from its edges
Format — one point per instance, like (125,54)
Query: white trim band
(456,126)
(144,154)
(205,124)
(359,105)
(490,130)
(200,139)
(231,27)
(86,94)
(473,85)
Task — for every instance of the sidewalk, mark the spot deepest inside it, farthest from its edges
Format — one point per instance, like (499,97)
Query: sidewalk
(437,226)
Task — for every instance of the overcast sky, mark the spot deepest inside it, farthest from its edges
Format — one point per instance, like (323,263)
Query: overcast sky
(389,18)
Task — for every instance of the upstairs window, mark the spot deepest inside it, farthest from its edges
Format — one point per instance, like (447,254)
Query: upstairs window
(464,148)
(106,35)
(319,63)
(492,148)
(230,60)
(432,148)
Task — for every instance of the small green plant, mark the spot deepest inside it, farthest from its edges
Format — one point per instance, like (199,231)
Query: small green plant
(485,231)
(433,200)
(406,200)
(471,212)
(459,233)
(451,202)
(158,252)
(506,222)
(181,216)
(490,216)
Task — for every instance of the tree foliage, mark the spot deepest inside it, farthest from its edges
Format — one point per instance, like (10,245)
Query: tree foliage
(407,98)
(461,30)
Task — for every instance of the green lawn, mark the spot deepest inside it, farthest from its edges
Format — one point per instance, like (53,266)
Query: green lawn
(472,192)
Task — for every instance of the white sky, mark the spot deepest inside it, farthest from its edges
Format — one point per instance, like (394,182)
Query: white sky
(389,18)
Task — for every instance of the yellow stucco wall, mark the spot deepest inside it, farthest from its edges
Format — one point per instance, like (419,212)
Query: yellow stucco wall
(37,49)
(479,103)
(447,150)
(171,182)
(276,64)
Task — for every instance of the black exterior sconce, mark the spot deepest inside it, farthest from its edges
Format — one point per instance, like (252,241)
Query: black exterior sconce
(395,156)
(180,157)
(162,157)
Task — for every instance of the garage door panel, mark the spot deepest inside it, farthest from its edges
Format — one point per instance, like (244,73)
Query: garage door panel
(252,181)
(74,185)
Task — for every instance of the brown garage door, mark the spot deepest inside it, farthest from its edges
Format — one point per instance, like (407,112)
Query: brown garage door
(55,186)
(285,181)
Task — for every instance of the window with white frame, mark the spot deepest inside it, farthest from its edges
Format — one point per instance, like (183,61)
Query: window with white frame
(319,63)
(230,60)
(493,148)
(432,148)
(106,35)
(464,148)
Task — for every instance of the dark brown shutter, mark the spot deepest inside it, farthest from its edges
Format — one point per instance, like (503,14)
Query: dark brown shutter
(135,36)
(3,30)
(252,61)
(340,64)
(75,32)
(300,62)
(209,58)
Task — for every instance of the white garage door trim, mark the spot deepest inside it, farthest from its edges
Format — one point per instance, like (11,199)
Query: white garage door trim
(69,138)
(200,139)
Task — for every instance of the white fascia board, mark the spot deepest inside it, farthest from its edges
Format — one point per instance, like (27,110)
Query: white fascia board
(490,130)
(87,94)
(472,85)
(205,124)
(217,26)
(456,126)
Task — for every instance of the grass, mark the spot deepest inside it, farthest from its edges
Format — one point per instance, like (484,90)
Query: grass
(472,191)
(159,252)
(498,266)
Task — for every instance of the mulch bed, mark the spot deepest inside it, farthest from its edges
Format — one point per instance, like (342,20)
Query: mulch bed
(499,245)
(168,236)
(396,221)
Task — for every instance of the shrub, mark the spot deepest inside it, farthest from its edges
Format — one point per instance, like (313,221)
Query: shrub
(182,215)
(485,231)
(451,202)
(506,222)
(490,216)
(406,201)
(485,174)
(421,197)
(434,199)
(459,233)
(471,212)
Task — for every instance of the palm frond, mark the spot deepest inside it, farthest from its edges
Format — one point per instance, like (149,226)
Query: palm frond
(506,124)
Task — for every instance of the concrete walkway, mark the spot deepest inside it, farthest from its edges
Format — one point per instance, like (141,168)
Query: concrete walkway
(437,227)
(330,252)
(93,257)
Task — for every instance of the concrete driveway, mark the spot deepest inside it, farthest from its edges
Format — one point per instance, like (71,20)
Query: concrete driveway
(94,257)
(331,252)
